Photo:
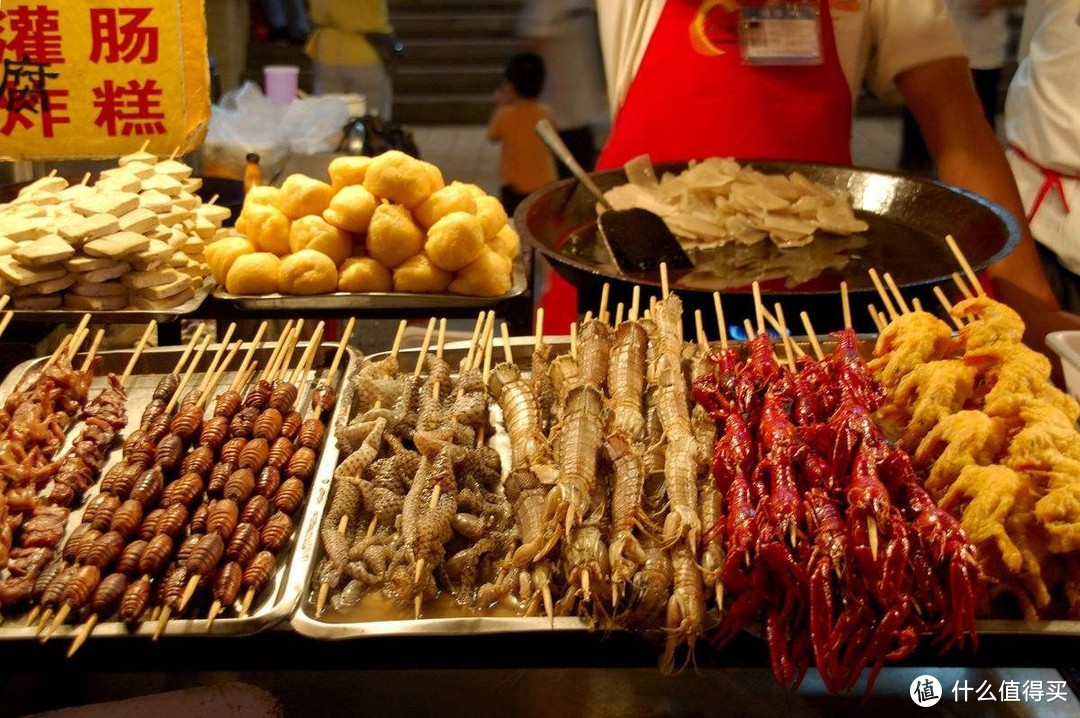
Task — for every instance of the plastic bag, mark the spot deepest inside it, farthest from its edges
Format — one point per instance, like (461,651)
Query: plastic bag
(246,121)
(314,124)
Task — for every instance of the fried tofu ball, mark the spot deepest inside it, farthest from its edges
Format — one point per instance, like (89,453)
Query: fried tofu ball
(434,176)
(454,241)
(266,227)
(302,195)
(506,242)
(221,254)
(346,171)
(307,272)
(418,274)
(491,214)
(488,276)
(364,274)
(316,233)
(452,198)
(400,178)
(255,273)
(472,189)
(392,235)
(351,209)
(261,194)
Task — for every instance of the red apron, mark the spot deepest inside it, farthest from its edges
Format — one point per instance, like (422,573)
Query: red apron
(686,103)
(1051,181)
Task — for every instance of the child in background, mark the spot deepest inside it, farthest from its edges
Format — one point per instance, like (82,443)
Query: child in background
(525,164)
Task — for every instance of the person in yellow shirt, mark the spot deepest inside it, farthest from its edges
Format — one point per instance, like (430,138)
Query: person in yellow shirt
(344,50)
(525,164)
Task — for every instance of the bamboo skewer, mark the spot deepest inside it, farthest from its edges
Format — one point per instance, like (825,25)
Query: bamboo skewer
(891,284)
(4,300)
(78,336)
(619,311)
(92,352)
(721,325)
(948,307)
(965,290)
(699,327)
(916,304)
(665,288)
(845,303)
(605,295)
(876,317)
(788,339)
(885,300)
(278,346)
(635,303)
(758,308)
(976,285)
(212,369)
(187,374)
(812,335)
(192,343)
(256,344)
(137,351)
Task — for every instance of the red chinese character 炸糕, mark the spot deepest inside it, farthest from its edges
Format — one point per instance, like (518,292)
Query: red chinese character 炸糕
(115,41)
(31,33)
(131,109)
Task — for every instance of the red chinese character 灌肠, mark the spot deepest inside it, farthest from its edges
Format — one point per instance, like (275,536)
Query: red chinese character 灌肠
(122,35)
(131,109)
(31,33)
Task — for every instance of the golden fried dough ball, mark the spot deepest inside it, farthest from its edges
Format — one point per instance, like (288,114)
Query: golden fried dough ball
(301,195)
(418,274)
(392,235)
(364,274)
(221,254)
(506,242)
(266,227)
(316,233)
(400,178)
(255,273)
(307,272)
(261,194)
(471,188)
(491,214)
(351,209)
(454,241)
(434,175)
(345,171)
(451,198)
(487,276)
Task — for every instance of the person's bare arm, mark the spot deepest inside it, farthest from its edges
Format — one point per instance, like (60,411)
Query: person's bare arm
(967,153)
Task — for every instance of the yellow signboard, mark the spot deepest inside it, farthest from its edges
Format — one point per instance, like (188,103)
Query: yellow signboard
(96,78)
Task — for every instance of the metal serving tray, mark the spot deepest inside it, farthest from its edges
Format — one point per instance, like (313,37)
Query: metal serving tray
(310,552)
(345,301)
(276,602)
(118,316)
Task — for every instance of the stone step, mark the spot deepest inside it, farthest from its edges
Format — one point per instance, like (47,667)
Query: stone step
(411,24)
(458,50)
(447,80)
(431,109)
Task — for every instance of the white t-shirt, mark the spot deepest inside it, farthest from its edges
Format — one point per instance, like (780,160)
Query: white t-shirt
(574,78)
(876,40)
(984,36)
(1042,116)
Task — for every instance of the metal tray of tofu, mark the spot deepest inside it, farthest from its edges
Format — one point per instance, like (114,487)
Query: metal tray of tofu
(378,619)
(345,301)
(278,599)
(119,316)
(375,621)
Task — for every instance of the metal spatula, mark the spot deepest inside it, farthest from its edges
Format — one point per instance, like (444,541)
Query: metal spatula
(637,239)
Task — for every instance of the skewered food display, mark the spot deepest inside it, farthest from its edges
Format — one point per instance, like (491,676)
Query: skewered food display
(996,442)
(718,201)
(133,239)
(383,224)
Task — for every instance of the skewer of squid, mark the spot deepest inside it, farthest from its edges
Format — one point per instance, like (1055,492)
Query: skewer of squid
(343,524)
(948,307)
(886,301)
(900,302)
(965,265)
(812,336)
(66,609)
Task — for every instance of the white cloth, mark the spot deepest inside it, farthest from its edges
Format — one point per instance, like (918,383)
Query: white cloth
(984,36)
(1042,116)
(568,41)
(875,39)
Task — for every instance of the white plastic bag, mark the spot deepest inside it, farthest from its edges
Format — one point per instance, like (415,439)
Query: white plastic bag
(314,124)
(245,121)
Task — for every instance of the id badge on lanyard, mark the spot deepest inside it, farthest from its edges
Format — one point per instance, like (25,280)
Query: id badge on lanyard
(781,33)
